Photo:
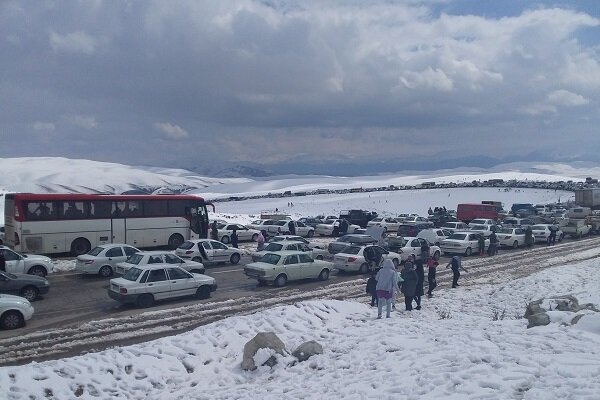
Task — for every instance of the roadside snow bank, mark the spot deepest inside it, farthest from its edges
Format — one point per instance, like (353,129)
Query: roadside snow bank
(469,343)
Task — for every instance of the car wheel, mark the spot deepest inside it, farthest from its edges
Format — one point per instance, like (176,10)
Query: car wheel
(105,271)
(515,244)
(145,300)
(225,239)
(324,275)
(468,252)
(12,320)
(319,257)
(37,270)
(436,256)
(234,259)
(310,233)
(80,246)
(281,280)
(197,259)
(30,293)
(175,241)
(364,268)
(203,292)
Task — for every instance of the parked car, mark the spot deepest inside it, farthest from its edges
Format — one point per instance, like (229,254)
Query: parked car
(244,234)
(352,259)
(416,219)
(288,245)
(387,223)
(455,226)
(412,247)
(296,238)
(541,232)
(517,222)
(481,221)
(282,267)
(32,264)
(301,229)
(24,285)
(357,217)
(401,217)
(462,242)
(327,227)
(511,237)
(311,221)
(103,259)
(158,257)
(486,230)
(353,238)
(260,224)
(434,235)
(14,311)
(412,229)
(208,251)
(144,284)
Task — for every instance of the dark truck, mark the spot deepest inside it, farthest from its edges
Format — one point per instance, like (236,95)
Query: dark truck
(358,217)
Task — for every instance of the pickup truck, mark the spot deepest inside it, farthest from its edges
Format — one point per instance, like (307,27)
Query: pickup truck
(576,228)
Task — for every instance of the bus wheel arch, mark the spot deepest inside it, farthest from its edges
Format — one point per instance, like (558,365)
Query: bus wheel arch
(175,240)
(80,246)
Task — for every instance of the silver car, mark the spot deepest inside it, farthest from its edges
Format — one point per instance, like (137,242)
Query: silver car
(32,264)
(158,257)
(208,251)
(102,260)
(284,266)
(288,245)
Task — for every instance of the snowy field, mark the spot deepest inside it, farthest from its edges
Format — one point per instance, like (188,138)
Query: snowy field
(469,343)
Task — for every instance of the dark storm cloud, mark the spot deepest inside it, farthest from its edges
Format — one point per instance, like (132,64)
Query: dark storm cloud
(186,82)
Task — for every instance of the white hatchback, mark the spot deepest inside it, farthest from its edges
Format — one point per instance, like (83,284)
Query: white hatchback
(145,284)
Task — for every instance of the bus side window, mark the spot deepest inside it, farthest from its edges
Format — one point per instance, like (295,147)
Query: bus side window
(134,209)
(155,208)
(41,210)
(99,209)
(72,209)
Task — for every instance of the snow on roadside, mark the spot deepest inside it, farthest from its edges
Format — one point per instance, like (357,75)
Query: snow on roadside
(457,347)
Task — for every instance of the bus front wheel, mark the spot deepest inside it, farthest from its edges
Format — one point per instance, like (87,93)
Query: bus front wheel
(175,241)
(80,246)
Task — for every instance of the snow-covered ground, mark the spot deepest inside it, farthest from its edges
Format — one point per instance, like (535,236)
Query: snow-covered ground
(469,343)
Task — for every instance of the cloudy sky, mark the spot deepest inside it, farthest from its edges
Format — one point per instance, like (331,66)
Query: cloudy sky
(186,83)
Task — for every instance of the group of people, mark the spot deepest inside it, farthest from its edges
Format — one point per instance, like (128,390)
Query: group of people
(385,282)
(437,210)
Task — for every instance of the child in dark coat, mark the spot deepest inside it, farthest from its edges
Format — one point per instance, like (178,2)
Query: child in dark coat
(371,288)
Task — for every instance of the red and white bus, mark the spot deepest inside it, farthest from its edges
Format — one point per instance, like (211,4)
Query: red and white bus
(75,223)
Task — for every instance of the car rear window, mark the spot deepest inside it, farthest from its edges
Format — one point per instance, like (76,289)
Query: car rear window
(186,245)
(539,227)
(458,236)
(351,250)
(95,251)
(505,230)
(273,247)
(134,259)
(270,258)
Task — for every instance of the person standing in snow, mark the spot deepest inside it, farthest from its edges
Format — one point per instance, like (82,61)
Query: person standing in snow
(431,272)
(456,265)
(420,280)
(260,241)
(493,249)
(425,249)
(234,238)
(528,237)
(214,233)
(481,244)
(409,282)
(292,228)
(552,236)
(372,288)
(386,287)
(2,261)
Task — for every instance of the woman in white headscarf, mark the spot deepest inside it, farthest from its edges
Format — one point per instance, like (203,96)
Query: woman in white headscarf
(387,282)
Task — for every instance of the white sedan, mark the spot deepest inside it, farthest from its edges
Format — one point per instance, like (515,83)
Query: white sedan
(281,267)
(463,242)
(317,254)
(243,233)
(296,238)
(352,259)
(541,232)
(327,227)
(260,224)
(301,229)
(388,224)
(412,247)
(158,257)
(208,251)
(144,284)
(14,311)
(511,237)
(32,264)
(103,259)
(486,230)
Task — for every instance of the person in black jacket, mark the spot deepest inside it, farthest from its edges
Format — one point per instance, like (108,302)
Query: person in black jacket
(456,265)
(214,232)
(420,280)
(234,238)
(292,228)
(409,284)
(371,288)
(2,261)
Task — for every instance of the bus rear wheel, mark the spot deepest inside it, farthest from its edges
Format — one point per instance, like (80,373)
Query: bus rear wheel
(80,246)
(175,241)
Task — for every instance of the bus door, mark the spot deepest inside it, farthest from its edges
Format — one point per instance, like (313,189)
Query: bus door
(119,230)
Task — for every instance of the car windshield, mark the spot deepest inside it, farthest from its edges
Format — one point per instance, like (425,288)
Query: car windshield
(186,245)
(448,225)
(458,236)
(478,221)
(329,221)
(539,227)
(351,250)
(505,230)
(273,247)
(377,219)
(132,274)
(134,259)
(257,222)
(270,258)
(95,251)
